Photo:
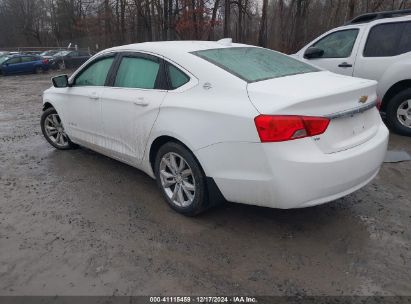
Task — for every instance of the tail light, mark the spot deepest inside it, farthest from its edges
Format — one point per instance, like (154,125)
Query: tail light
(275,128)
(45,61)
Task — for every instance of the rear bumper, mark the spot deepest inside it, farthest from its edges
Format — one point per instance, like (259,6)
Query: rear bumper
(292,174)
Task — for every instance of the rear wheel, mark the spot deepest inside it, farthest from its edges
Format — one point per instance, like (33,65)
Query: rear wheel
(53,130)
(62,65)
(181,179)
(38,70)
(399,113)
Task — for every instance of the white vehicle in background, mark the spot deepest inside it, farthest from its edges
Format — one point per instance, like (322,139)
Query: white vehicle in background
(213,120)
(372,46)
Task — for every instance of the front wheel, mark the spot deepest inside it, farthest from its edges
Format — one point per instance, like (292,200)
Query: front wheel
(53,130)
(399,113)
(181,179)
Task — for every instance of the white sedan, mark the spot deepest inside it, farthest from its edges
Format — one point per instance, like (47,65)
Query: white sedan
(214,121)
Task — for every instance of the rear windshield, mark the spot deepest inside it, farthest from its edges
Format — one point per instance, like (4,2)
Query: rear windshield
(255,64)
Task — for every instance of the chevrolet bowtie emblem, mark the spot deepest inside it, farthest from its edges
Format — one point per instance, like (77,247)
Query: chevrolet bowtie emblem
(363,99)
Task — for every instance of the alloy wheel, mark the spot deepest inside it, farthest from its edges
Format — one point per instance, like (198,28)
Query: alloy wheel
(177,179)
(404,113)
(55,130)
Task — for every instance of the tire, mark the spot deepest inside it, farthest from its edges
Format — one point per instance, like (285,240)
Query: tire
(38,70)
(180,182)
(53,130)
(399,113)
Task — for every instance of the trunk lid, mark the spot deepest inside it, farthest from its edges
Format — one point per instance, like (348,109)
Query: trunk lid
(325,94)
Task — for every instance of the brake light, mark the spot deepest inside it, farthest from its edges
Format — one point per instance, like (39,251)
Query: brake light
(45,61)
(275,128)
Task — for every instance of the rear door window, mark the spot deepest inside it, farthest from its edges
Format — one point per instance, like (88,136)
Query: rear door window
(26,59)
(137,72)
(176,77)
(389,39)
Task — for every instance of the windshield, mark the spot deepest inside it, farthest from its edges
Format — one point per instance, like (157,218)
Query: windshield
(255,64)
(3,59)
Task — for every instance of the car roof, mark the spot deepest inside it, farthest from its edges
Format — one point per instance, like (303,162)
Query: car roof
(374,22)
(178,52)
(174,48)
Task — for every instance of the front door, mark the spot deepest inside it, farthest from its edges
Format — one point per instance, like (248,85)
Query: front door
(130,107)
(82,110)
(12,66)
(340,49)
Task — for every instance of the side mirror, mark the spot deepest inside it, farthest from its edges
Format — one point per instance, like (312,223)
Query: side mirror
(60,81)
(313,52)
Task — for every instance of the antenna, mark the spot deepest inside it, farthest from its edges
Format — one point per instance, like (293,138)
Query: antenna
(225,41)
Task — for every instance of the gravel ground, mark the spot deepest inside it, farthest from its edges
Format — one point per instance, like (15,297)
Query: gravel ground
(78,223)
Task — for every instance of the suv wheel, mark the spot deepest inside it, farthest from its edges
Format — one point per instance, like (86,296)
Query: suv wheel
(399,113)
(53,130)
(181,179)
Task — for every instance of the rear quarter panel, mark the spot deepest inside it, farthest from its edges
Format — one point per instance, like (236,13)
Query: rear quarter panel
(202,117)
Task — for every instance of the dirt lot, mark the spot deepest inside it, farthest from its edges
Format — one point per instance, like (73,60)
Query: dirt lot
(77,223)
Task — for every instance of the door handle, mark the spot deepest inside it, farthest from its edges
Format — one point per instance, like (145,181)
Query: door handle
(141,102)
(345,65)
(94,96)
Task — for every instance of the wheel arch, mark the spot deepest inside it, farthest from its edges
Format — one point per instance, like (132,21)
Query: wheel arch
(214,192)
(394,90)
(160,141)
(47,105)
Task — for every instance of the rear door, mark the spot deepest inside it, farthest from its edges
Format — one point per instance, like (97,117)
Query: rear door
(27,64)
(340,50)
(131,105)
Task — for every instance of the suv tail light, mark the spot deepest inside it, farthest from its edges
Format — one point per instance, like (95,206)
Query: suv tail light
(274,128)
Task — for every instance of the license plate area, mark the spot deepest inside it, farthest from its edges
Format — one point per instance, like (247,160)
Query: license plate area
(348,131)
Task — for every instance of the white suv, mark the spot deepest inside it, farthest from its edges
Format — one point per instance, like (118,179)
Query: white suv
(373,46)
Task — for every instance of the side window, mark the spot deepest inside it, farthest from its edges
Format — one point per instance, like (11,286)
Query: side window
(338,44)
(95,74)
(14,60)
(383,40)
(137,72)
(176,77)
(405,41)
(26,59)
